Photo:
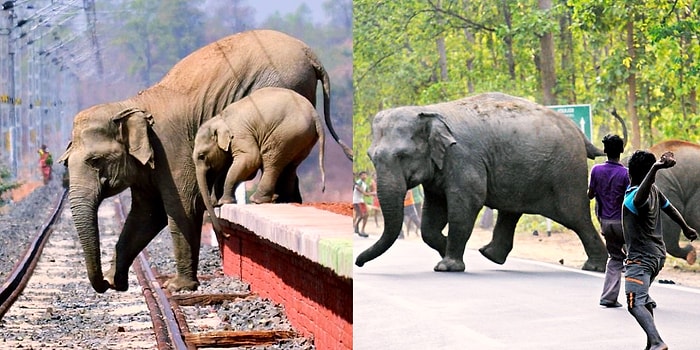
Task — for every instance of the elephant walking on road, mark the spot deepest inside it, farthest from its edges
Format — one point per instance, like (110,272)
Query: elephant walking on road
(145,143)
(681,186)
(492,149)
(272,129)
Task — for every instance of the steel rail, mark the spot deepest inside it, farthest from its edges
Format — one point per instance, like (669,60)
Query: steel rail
(23,270)
(165,325)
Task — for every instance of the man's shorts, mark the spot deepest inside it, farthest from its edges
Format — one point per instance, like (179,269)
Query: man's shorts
(639,273)
(360,208)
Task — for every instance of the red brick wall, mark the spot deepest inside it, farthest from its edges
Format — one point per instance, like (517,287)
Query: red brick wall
(317,301)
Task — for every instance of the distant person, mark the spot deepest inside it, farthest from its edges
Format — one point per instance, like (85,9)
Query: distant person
(646,252)
(410,215)
(375,208)
(608,184)
(45,163)
(360,189)
(418,200)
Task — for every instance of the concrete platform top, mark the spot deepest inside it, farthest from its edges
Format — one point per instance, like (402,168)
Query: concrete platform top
(319,235)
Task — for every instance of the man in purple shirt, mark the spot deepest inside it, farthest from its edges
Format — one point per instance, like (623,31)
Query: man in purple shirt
(608,184)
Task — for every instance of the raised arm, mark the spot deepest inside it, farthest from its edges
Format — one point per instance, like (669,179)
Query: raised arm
(665,161)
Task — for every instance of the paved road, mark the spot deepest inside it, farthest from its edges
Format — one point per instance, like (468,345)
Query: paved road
(400,303)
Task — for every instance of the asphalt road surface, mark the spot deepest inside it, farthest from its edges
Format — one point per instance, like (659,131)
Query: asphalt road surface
(400,303)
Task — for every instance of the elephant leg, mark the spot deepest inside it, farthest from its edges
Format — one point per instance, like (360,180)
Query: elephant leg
(461,217)
(434,221)
(243,168)
(287,186)
(672,235)
(583,226)
(266,187)
(502,240)
(146,218)
(186,243)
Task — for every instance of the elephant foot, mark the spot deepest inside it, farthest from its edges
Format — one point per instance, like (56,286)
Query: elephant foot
(493,254)
(595,266)
(179,283)
(102,286)
(692,256)
(120,284)
(258,199)
(226,200)
(450,265)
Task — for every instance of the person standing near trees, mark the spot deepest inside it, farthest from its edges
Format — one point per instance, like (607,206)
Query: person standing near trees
(418,200)
(45,163)
(410,215)
(360,189)
(375,208)
(646,252)
(607,185)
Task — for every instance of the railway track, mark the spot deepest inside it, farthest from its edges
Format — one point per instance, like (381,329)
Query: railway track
(56,308)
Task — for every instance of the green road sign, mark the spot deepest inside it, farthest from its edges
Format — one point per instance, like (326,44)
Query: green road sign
(580,114)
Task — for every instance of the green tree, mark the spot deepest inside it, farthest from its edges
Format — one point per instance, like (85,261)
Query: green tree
(157,35)
(641,57)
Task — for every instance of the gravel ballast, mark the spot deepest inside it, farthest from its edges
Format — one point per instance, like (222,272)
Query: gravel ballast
(71,315)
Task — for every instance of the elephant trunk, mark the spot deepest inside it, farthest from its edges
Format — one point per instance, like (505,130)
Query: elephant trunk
(391,196)
(206,197)
(84,204)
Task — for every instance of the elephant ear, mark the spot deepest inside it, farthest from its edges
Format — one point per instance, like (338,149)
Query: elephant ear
(133,126)
(66,154)
(223,137)
(440,137)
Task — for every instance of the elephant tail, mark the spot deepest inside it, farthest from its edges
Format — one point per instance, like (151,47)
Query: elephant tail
(622,123)
(322,75)
(321,150)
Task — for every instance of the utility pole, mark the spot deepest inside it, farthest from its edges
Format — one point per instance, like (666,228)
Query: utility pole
(14,123)
(89,6)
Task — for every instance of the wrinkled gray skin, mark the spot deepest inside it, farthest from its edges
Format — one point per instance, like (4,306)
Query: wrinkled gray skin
(492,149)
(681,186)
(145,143)
(272,130)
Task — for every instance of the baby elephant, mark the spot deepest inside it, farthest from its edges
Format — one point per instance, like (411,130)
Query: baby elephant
(272,129)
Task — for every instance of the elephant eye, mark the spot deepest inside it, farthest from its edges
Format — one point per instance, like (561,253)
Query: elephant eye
(95,162)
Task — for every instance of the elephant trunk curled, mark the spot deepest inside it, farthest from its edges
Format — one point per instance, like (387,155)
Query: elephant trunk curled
(206,197)
(391,196)
(84,204)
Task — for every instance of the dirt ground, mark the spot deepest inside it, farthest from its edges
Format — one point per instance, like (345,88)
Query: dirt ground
(338,208)
(561,248)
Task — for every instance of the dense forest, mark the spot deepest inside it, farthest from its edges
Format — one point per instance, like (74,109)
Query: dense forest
(640,57)
(141,40)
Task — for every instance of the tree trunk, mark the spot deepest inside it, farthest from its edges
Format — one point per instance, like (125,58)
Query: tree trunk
(568,58)
(440,41)
(470,60)
(632,92)
(508,39)
(547,70)
(442,62)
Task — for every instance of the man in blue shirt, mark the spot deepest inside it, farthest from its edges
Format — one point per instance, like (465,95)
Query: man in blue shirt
(608,184)
(646,252)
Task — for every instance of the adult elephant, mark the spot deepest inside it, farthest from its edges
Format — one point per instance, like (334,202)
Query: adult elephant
(682,187)
(491,149)
(145,143)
